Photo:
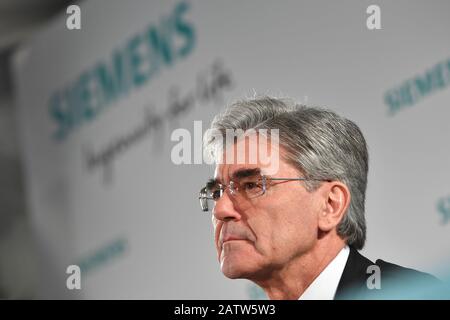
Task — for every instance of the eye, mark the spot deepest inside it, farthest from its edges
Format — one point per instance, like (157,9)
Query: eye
(250,185)
(216,194)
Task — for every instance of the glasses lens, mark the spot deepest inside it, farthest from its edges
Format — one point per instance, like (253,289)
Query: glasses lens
(207,197)
(206,204)
(248,187)
(251,187)
(202,198)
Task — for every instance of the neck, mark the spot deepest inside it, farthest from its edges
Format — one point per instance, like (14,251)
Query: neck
(291,280)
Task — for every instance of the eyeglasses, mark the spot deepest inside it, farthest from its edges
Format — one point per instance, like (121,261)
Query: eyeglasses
(244,188)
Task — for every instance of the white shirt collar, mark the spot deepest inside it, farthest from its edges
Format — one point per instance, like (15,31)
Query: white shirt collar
(325,285)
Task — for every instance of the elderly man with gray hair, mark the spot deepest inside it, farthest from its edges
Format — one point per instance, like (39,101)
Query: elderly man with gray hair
(295,228)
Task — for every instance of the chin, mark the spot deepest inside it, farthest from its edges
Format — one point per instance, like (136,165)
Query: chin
(238,260)
(237,267)
(233,272)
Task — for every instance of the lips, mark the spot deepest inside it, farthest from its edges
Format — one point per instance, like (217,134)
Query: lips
(230,232)
(232,238)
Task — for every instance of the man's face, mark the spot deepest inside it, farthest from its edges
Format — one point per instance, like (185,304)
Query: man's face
(256,237)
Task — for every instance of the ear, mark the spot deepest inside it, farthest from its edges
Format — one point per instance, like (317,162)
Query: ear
(336,199)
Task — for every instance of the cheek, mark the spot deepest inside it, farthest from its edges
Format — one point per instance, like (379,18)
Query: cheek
(267,228)
(288,224)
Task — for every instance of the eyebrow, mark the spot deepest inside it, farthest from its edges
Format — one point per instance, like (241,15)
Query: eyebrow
(212,183)
(244,173)
(238,174)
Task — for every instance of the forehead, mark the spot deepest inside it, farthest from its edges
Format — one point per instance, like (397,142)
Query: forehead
(249,156)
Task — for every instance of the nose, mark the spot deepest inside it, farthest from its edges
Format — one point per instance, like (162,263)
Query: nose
(226,208)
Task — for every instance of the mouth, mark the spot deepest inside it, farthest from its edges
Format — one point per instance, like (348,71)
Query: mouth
(233,238)
(230,233)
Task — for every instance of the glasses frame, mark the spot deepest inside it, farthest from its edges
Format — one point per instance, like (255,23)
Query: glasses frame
(203,197)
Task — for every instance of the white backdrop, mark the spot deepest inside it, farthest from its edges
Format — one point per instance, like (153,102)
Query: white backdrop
(97,107)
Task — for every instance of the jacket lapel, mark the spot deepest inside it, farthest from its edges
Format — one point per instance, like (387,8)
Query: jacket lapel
(354,277)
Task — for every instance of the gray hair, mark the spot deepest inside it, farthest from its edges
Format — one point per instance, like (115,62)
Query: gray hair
(319,143)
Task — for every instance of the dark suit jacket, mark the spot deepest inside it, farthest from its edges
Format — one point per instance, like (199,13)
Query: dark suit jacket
(396,282)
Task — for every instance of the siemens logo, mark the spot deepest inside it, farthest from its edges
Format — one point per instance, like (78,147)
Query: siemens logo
(131,66)
(412,90)
(103,255)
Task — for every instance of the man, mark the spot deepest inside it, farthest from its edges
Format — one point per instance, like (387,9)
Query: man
(292,224)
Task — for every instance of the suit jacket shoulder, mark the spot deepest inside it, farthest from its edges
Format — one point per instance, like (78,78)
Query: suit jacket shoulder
(395,282)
